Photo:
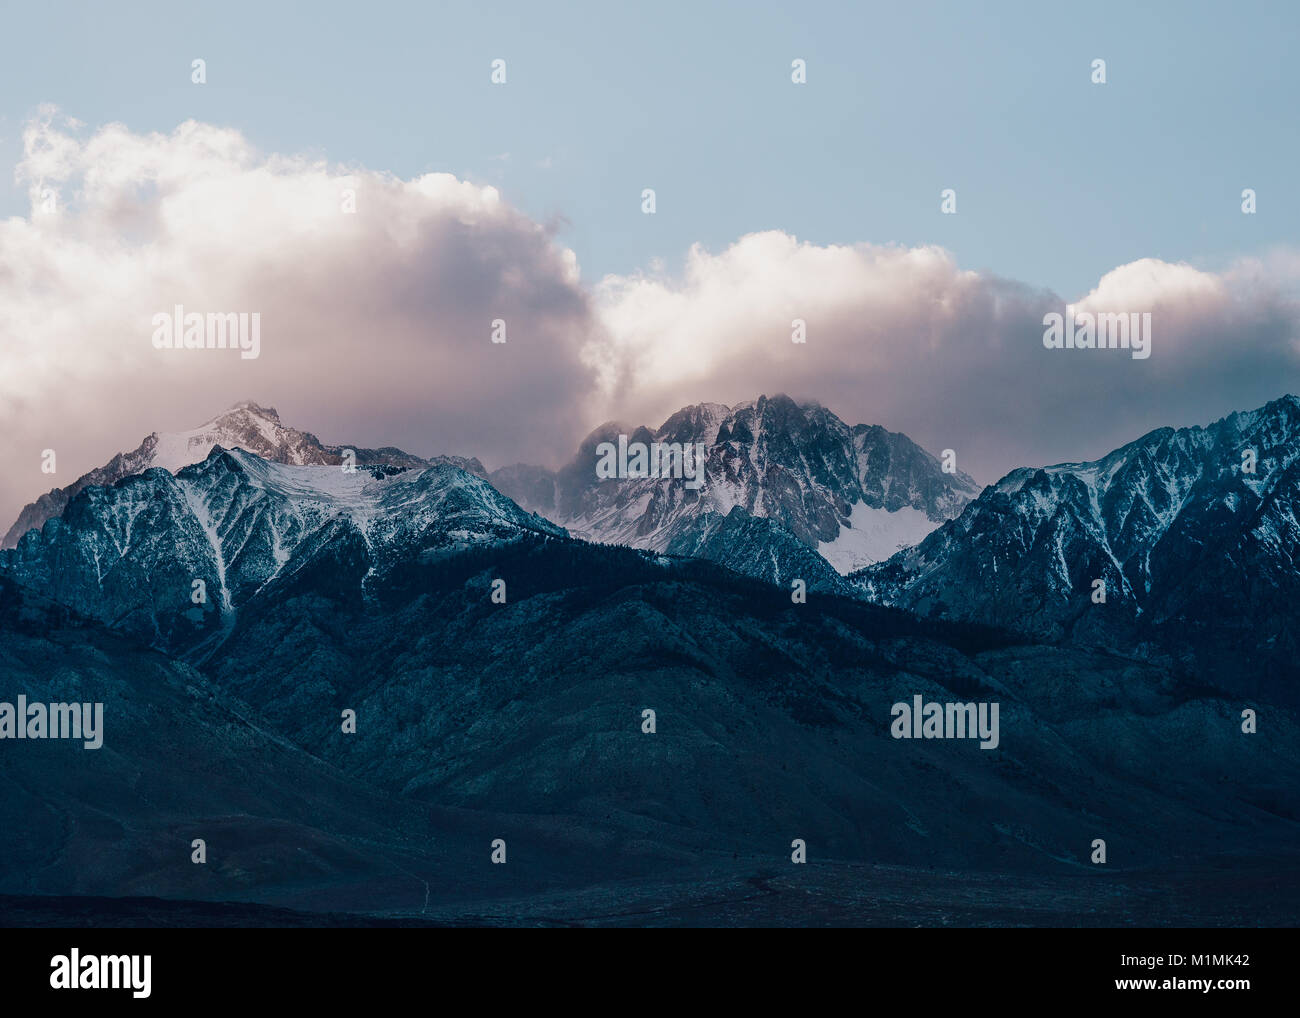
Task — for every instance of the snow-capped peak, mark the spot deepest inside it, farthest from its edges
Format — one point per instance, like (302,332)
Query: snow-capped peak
(246,425)
(237,522)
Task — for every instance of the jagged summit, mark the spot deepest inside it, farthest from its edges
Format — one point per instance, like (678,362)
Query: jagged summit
(245,425)
(855,494)
(248,404)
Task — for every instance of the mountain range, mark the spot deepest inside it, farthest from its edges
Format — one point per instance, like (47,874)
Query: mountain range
(790,491)
(500,665)
(524,720)
(1190,533)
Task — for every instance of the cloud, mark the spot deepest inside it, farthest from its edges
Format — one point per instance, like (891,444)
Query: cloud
(1149,282)
(905,338)
(376,325)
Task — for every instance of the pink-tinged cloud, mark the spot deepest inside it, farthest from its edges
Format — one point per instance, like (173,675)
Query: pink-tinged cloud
(376,326)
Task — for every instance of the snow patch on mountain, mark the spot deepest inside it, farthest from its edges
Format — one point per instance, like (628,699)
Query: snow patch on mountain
(873,535)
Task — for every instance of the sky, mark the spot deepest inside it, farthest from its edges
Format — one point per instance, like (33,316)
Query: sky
(523,201)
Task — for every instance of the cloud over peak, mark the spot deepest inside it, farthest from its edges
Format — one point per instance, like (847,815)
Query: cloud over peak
(377,323)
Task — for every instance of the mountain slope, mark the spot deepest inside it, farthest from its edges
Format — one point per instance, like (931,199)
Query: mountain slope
(756,546)
(1193,548)
(133,554)
(772,718)
(182,759)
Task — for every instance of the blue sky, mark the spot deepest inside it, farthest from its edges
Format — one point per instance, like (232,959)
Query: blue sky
(1058,180)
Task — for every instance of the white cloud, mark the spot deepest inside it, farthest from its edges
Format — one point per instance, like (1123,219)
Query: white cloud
(375,326)
(906,338)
